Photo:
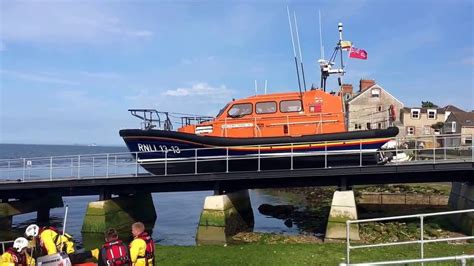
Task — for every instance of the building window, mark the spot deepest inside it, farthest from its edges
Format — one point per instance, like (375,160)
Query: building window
(375,92)
(290,106)
(357,126)
(431,114)
(468,140)
(410,131)
(379,108)
(379,125)
(453,126)
(415,113)
(368,125)
(266,108)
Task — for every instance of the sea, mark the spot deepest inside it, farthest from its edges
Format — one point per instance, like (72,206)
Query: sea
(177,212)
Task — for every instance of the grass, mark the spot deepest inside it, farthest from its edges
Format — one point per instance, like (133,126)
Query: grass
(297,254)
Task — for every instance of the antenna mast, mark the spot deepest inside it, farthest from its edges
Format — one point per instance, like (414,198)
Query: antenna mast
(326,65)
(321,37)
(299,48)
(294,50)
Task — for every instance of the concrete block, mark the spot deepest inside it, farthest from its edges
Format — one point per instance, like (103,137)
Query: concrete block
(224,216)
(343,208)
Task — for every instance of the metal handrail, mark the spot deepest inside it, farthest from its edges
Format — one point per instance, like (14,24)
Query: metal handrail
(3,243)
(80,166)
(421,241)
(462,258)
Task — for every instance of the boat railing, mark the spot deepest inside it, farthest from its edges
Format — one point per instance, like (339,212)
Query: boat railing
(289,121)
(152,118)
(126,164)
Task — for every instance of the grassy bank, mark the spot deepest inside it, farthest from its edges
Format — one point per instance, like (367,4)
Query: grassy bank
(297,254)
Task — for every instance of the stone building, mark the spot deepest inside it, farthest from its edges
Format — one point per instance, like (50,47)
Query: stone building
(371,108)
(418,121)
(460,124)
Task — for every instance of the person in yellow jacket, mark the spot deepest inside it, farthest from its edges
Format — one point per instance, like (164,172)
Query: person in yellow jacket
(142,248)
(51,241)
(17,255)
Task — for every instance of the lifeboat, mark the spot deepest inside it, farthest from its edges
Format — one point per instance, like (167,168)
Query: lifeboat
(273,131)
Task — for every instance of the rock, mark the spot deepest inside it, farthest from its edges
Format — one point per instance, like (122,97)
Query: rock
(277,211)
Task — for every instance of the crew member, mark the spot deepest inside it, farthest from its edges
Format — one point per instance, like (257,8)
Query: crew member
(51,241)
(142,248)
(17,255)
(114,252)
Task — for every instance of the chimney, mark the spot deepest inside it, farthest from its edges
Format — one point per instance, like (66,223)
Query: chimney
(347,89)
(365,84)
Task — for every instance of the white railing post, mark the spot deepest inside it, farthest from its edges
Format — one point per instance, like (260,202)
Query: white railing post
(434,149)
(166,163)
(360,152)
(72,167)
(9,173)
(444,144)
(78,166)
(24,169)
(51,168)
(291,162)
(396,150)
(258,168)
(195,161)
(227,159)
(107,166)
(115,165)
(136,164)
(422,238)
(93,166)
(325,154)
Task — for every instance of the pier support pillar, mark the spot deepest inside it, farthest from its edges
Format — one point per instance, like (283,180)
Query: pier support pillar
(343,208)
(462,197)
(223,216)
(119,213)
(41,205)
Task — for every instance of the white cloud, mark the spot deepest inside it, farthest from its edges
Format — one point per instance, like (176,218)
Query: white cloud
(201,89)
(43,77)
(63,22)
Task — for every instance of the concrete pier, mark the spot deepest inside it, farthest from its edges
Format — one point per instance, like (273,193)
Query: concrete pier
(119,213)
(224,216)
(343,208)
(10,208)
(462,197)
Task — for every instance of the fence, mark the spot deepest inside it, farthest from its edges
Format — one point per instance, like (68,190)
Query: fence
(421,241)
(111,165)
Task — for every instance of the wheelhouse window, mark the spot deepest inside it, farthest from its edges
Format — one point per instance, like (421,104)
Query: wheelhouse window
(431,114)
(240,109)
(266,108)
(222,110)
(290,106)
(415,113)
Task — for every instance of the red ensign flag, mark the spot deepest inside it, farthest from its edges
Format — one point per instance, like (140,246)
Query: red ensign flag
(358,53)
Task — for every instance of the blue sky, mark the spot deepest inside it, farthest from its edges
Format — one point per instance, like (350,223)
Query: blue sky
(69,70)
